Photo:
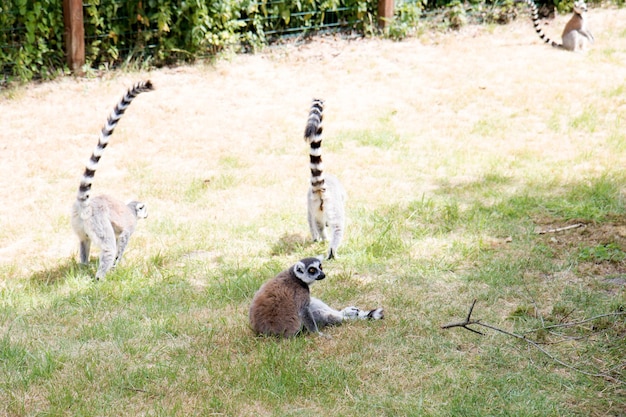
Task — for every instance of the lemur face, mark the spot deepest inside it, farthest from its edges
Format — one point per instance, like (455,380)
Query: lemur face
(309,270)
(580,7)
(139,208)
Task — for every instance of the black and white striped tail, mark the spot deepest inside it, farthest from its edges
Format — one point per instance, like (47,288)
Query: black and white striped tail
(537,24)
(313,135)
(107,130)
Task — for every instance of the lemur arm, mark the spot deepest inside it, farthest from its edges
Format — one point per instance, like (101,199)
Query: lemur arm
(307,319)
(587,34)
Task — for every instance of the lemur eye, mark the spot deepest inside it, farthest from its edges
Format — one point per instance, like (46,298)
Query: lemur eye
(312,270)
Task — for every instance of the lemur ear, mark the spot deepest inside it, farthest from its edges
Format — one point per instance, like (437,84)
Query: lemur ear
(299,268)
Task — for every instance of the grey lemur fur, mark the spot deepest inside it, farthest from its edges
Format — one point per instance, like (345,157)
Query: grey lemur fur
(104,220)
(283,305)
(576,34)
(326,196)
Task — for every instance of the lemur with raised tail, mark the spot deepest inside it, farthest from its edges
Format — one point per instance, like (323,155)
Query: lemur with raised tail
(326,196)
(576,35)
(104,220)
(283,306)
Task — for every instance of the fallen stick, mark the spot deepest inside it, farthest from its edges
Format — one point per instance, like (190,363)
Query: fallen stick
(560,229)
(468,321)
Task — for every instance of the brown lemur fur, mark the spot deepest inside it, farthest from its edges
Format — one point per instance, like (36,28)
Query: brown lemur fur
(283,306)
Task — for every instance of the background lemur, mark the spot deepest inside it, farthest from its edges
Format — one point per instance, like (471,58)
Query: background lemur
(575,34)
(326,196)
(104,220)
(283,304)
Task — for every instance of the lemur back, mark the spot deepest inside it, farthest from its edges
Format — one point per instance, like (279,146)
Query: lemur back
(575,35)
(104,220)
(326,196)
(283,305)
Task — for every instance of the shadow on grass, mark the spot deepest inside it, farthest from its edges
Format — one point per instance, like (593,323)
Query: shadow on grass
(290,243)
(59,273)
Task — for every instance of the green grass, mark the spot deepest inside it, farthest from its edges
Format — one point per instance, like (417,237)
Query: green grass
(149,340)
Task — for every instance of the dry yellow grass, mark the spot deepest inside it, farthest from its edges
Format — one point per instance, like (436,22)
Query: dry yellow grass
(240,122)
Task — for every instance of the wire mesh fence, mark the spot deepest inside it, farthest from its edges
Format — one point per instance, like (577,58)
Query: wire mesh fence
(342,16)
(119,30)
(164,31)
(10,40)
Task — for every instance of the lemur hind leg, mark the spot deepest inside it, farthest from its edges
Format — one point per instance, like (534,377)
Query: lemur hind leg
(324,315)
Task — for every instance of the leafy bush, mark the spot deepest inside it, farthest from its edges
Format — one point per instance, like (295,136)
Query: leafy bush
(162,32)
(159,32)
(412,16)
(34,47)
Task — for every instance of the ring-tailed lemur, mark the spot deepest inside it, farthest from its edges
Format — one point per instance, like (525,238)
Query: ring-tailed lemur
(104,220)
(576,34)
(283,305)
(326,196)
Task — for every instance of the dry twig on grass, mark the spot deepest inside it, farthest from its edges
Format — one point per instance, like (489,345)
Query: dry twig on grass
(560,229)
(468,321)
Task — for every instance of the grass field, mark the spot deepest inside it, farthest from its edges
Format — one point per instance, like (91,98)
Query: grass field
(455,150)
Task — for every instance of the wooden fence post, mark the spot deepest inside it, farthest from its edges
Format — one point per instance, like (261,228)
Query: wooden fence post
(74,34)
(385,13)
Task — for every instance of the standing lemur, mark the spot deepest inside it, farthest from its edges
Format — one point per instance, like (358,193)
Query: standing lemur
(326,196)
(283,305)
(576,35)
(104,220)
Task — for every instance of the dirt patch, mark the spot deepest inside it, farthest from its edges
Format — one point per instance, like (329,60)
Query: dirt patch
(598,249)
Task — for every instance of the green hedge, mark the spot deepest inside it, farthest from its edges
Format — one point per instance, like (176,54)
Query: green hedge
(158,32)
(165,31)
(161,32)
(31,39)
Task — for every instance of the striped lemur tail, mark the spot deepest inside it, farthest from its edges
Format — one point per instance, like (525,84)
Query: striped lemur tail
(84,190)
(326,196)
(313,135)
(537,24)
